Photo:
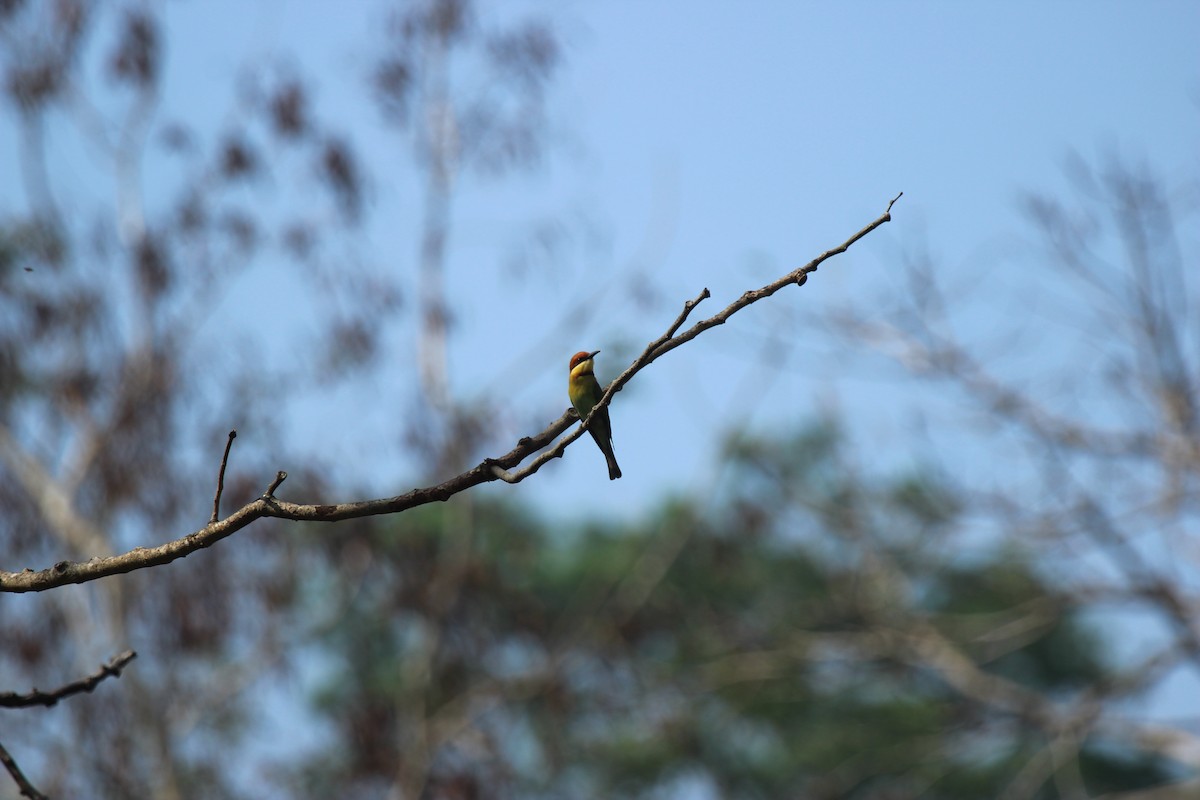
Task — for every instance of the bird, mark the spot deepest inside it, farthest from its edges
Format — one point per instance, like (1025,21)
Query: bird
(584,391)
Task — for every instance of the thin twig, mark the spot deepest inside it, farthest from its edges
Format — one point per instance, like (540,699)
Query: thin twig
(280,477)
(36,698)
(221,479)
(27,788)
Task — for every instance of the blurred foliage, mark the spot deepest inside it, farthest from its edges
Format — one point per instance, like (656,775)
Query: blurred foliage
(707,649)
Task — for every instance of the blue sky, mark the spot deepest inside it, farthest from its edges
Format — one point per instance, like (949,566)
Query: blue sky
(721,145)
(702,145)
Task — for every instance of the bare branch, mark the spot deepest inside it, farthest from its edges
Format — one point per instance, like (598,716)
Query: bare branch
(557,451)
(668,341)
(221,479)
(35,698)
(67,572)
(27,788)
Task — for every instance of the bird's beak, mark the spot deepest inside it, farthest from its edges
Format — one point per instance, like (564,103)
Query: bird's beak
(593,355)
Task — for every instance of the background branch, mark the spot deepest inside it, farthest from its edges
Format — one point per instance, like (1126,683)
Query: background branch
(27,788)
(35,698)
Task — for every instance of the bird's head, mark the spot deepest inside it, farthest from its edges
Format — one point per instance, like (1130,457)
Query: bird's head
(581,363)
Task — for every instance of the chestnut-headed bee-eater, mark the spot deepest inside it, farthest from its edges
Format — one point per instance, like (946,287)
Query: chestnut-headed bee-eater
(585,392)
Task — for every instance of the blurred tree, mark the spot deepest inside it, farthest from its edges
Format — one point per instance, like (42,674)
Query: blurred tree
(113,402)
(776,642)
(107,396)
(1068,380)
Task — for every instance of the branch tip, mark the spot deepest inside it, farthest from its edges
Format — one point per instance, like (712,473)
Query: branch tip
(280,477)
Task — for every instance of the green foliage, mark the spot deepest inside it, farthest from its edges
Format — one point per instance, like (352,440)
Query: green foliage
(735,646)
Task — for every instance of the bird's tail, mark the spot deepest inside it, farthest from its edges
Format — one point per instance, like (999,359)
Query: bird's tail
(614,471)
